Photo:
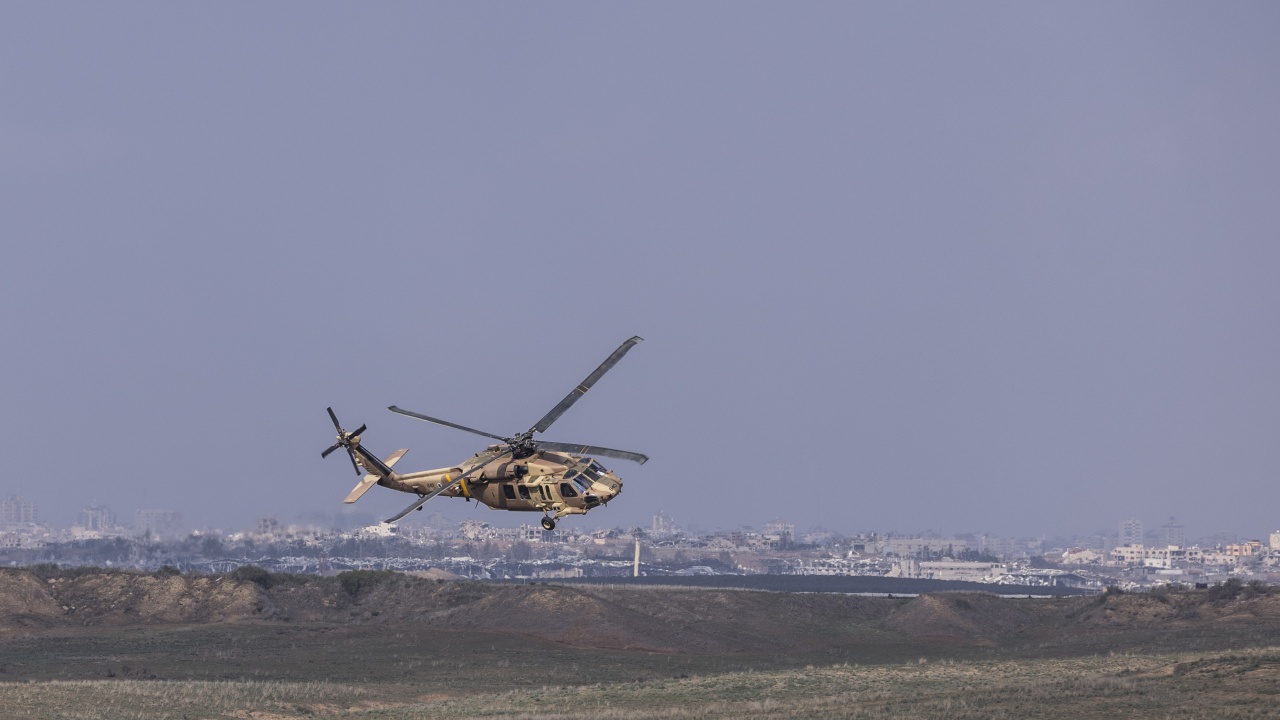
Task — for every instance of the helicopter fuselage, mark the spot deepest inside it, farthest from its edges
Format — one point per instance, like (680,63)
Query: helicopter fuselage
(553,483)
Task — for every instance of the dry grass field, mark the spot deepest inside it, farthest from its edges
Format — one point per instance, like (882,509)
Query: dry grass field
(117,645)
(1225,685)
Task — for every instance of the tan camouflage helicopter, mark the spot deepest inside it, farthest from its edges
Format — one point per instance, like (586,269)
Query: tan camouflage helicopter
(521,474)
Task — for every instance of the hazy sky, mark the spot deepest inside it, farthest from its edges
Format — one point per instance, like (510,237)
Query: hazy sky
(1006,267)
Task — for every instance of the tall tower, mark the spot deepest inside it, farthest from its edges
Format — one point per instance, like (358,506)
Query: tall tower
(1172,534)
(17,511)
(663,524)
(1130,532)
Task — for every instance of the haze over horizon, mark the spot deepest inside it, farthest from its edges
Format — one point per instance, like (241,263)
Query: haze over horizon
(983,267)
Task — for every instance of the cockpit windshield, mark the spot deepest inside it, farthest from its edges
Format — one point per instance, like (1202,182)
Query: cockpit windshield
(588,475)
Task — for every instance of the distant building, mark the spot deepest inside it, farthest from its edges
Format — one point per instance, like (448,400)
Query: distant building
(1172,534)
(956,570)
(784,531)
(662,525)
(1130,532)
(16,512)
(158,523)
(1248,548)
(1129,554)
(1275,540)
(1081,556)
(554,573)
(96,518)
(915,547)
(1160,557)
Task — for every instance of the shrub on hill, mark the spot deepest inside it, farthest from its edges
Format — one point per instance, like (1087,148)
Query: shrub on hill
(48,571)
(253,574)
(353,581)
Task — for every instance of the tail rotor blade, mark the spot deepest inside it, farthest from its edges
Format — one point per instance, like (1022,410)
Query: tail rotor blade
(344,440)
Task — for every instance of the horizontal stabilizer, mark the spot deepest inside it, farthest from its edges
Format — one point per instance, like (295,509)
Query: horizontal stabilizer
(361,488)
(395,456)
(371,479)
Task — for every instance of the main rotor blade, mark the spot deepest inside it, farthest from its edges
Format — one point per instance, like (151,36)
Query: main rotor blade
(594,450)
(423,500)
(446,423)
(582,389)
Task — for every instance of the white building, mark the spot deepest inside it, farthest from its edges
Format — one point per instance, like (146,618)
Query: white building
(958,570)
(780,530)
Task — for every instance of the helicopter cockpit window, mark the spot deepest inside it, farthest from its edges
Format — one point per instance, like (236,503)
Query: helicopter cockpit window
(566,490)
(588,475)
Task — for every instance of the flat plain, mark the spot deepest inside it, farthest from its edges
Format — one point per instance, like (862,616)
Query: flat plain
(92,644)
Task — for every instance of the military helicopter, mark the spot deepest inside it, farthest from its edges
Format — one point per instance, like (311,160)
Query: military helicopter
(521,474)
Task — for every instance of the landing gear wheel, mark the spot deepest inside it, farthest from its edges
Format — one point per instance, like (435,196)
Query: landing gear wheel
(548,524)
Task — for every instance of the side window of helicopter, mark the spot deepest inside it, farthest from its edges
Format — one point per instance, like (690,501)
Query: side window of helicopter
(566,490)
(509,491)
(524,492)
(582,482)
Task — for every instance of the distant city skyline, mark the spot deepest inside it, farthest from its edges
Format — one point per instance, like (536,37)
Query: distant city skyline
(1131,530)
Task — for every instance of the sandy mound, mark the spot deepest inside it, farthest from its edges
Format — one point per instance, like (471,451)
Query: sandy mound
(26,602)
(962,617)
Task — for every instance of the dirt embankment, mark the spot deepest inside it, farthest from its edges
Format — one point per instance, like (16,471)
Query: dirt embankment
(663,620)
(117,598)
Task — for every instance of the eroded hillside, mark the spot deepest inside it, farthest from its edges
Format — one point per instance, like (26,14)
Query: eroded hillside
(667,620)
